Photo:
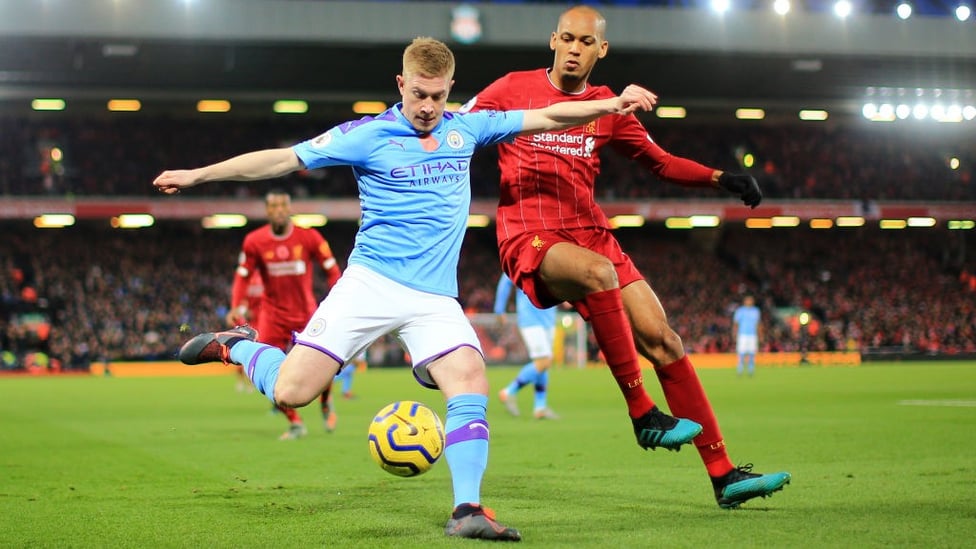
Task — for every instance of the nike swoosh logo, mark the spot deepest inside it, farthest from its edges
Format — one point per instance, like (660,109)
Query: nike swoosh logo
(477,425)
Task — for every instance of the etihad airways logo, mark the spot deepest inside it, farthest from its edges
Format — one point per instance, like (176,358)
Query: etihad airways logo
(432,173)
(565,143)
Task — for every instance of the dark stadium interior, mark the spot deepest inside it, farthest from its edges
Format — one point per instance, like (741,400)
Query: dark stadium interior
(126,295)
(174,69)
(870,290)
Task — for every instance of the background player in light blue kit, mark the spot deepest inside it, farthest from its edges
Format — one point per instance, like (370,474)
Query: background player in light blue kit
(745,329)
(538,329)
(411,164)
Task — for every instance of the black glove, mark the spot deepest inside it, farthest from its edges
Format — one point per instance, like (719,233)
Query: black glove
(743,185)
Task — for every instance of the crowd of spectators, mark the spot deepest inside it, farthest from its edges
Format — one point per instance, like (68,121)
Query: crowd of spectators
(113,156)
(112,295)
(133,295)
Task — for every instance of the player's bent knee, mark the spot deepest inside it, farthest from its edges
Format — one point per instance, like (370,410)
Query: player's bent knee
(672,347)
(661,347)
(601,275)
(460,371)
(296,398)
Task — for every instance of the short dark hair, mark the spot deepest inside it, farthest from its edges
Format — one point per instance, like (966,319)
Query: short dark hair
(276,192)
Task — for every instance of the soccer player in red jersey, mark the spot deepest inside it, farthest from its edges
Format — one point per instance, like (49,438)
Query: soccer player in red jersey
(284,256)
(556,244)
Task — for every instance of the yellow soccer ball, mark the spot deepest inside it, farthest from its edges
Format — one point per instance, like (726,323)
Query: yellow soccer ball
(406,438)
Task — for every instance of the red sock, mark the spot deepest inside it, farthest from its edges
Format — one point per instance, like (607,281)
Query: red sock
(290,413)
(612,331)
(686,398)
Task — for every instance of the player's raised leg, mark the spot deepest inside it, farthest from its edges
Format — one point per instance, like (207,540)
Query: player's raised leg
(291,380)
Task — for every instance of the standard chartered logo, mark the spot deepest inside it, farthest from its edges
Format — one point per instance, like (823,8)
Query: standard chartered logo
(565,143)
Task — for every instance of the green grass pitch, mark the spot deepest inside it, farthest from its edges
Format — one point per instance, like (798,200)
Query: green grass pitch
(881,456)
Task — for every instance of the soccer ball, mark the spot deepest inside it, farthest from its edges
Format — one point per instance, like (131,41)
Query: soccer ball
(406,438)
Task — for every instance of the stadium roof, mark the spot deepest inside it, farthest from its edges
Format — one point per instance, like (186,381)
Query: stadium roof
(337,52)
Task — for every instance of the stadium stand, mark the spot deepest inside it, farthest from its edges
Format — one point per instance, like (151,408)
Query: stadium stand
(119,156)
(114,295)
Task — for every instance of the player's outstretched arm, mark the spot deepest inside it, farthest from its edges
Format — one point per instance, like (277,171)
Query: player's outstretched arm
(252,166)
(567,114)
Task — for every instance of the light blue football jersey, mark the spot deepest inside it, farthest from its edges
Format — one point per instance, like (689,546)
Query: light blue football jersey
(525,311)
(748,319)
(414,198)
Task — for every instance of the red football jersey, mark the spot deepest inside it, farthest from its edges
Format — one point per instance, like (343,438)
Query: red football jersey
(287,265)
(547,179)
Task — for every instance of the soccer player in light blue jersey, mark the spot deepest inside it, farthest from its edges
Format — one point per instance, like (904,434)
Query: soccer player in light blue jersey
(412,168)
(538,329)
(745,328)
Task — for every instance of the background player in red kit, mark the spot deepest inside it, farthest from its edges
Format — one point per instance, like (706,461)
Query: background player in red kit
(555,242)
(285,256)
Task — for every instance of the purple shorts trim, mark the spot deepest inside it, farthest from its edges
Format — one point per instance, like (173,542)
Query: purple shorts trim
(323,351)
(420,369)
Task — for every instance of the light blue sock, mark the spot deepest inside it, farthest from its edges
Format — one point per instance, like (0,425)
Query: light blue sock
(752,364)
(261,364)
(541,390)
(467,445)
(525,376)
(738,368)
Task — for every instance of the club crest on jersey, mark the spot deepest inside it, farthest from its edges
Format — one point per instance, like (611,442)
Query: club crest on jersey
(322,141)
(454,139)
(537,242)
(316,327)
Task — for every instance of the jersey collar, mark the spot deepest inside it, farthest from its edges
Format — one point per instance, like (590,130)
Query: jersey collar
(560,90)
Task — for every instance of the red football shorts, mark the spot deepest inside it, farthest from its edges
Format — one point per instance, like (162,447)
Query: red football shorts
(522,254)
(276,333)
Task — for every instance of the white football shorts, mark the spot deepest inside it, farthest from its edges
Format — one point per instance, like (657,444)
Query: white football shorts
(538,341)
(746,344)
(365,305)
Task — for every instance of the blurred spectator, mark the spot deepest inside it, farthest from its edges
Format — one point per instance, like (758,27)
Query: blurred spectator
(127,296)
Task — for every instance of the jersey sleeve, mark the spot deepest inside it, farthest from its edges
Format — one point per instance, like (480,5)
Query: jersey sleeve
(631,139)
(494,127)
(322,253)
(335,147)
(246,267)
